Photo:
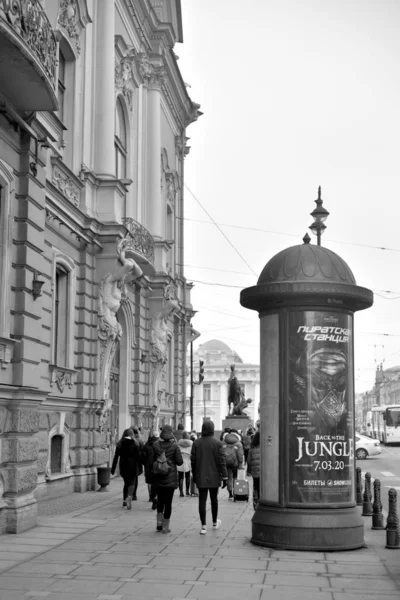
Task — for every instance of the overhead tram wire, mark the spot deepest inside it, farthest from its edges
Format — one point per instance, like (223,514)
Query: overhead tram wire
(296,235)
(220,230)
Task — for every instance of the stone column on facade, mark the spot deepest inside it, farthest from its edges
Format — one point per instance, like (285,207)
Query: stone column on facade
(104,157)
(223,401)
(155,215)
(20,448)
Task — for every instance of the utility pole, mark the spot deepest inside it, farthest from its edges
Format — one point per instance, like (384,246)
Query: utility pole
(191,386)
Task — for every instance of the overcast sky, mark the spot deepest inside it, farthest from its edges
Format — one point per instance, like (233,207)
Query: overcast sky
(295,94)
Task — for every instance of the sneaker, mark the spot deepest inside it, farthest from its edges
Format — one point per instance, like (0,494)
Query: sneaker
(128,503)
(124,504)
(217,524)
(134,498)
(203,530)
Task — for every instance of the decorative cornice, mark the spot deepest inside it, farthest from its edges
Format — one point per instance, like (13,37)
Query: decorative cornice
(123,79)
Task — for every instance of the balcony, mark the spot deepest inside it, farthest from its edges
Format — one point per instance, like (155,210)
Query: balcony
(142,240)
(28,56)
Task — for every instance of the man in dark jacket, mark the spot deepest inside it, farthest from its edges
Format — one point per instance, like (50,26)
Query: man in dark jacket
(208,470)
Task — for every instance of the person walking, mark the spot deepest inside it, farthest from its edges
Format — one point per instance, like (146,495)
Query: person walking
(233,450)
(147,459)
(167,483)
(208,470)
(185,445)
(128,454)
(253,467)
(248,436)
(139,439)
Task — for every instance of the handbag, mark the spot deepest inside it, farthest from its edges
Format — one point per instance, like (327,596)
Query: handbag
(161,466)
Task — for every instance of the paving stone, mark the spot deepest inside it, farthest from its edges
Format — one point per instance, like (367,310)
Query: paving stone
(155,590)
(111,572)
(293,566)
(41,569)
(296,580)
(172,574)
(24,582)
(378,583)
(214,592)
(238,563)
(82,585)
(285,593)
(232,576)
(124,559)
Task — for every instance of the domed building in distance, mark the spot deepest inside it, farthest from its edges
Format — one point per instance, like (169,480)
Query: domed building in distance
(210,398)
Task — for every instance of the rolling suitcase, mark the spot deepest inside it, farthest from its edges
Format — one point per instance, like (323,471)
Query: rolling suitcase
(241,487)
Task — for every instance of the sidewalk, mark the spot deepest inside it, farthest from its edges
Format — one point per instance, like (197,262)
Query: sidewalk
(101,551)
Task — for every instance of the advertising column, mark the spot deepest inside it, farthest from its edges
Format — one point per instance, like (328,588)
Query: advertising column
(319,411)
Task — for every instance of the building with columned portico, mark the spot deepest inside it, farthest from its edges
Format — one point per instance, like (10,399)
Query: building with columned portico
(211,396)
(94,305)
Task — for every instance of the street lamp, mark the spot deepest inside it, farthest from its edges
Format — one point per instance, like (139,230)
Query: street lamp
(319,214)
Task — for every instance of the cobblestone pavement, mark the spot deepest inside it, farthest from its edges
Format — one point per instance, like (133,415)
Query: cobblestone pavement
(105,552)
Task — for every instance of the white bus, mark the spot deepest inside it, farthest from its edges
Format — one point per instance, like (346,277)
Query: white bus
(385,423)
(391,418)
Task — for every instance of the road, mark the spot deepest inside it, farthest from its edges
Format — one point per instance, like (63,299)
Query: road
(386,468)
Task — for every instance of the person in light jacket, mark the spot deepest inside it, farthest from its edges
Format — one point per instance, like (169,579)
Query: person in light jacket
(253,467)
(208,471)
(166,484)
(185,445)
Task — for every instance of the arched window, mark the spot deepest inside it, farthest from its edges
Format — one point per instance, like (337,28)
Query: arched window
(120,141)
(56,454)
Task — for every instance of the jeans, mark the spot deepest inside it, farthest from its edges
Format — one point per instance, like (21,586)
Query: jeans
(129,484)
(164,500)
(203,492)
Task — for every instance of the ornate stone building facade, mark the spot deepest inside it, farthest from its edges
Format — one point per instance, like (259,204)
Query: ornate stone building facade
(94,305)
(211,397)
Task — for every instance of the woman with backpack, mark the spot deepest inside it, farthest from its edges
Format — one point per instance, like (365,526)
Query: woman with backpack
(128,454)
(253,467)
(248,436)
(233,451)
(167,456)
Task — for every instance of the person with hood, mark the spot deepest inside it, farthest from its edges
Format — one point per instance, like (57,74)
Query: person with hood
(253,467)
(248,436)
(167,483)
(185,445)
(208,470)
(147,459)
(179,432)
(233,450)
(128,454)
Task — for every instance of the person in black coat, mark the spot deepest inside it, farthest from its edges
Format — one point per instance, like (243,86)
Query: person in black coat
(147,458)
(128,454)
(208,470)
(166,484)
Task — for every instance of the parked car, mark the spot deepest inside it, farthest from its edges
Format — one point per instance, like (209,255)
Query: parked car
(366,446)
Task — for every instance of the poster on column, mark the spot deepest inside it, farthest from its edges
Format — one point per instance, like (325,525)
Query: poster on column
(320,408)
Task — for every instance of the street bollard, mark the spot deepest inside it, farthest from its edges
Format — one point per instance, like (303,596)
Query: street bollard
(377,516)
(392,524)
(367,504)
(359,498)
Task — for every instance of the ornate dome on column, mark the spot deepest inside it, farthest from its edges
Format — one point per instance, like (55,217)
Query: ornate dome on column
(313,272)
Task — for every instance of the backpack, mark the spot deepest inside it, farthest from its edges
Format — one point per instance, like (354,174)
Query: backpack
(230,451)
(161,465)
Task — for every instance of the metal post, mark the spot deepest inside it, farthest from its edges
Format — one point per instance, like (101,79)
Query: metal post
(191,386)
